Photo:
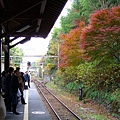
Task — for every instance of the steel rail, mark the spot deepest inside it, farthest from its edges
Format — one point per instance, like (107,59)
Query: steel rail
(64,105)
(50,105)
(60,102)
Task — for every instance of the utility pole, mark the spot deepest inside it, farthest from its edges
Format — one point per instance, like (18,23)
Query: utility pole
(58,54)
(42,70)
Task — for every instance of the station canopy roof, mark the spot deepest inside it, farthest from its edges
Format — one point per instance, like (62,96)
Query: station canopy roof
(29,18)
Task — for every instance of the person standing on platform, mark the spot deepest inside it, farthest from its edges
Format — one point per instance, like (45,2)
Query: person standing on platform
(14,85)
(27,78)
(7,88)
(23,79)
(18,69)
(4,75)
(21,86)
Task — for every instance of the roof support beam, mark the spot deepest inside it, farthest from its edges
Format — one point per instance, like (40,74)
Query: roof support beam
(13,39)
(22,41)
(25,33)
(5,20)
(41,12)
(41,16)
(12,31)
(17,28)
(21,34)
(2,4)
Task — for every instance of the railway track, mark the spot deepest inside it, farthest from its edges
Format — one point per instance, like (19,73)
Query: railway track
(60,110)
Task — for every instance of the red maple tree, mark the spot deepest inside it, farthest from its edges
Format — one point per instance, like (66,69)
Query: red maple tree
(70,53)
(102,36)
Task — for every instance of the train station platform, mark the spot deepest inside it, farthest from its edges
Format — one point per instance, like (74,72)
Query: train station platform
(33,110)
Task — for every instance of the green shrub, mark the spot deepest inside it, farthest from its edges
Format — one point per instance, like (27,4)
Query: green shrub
(100,83)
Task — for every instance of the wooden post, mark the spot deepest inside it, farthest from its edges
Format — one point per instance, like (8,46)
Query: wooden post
(0,58)
(7,55)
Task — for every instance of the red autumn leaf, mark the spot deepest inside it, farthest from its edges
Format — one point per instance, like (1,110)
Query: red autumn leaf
(101,36)
(70,53)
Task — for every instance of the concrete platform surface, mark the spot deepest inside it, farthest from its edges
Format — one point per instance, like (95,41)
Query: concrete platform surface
(33,110)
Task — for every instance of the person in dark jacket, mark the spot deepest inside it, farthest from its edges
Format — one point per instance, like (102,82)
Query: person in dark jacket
(18,68)
(7,88)
(4,74)
(27,78)
(14,85)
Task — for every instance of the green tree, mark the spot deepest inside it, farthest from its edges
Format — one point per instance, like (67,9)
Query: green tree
(16,55)
(81,10)
(52,63)
(55,34)
(53,49)
(102,35)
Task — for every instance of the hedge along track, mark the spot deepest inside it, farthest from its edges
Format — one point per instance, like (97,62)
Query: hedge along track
(61,111)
